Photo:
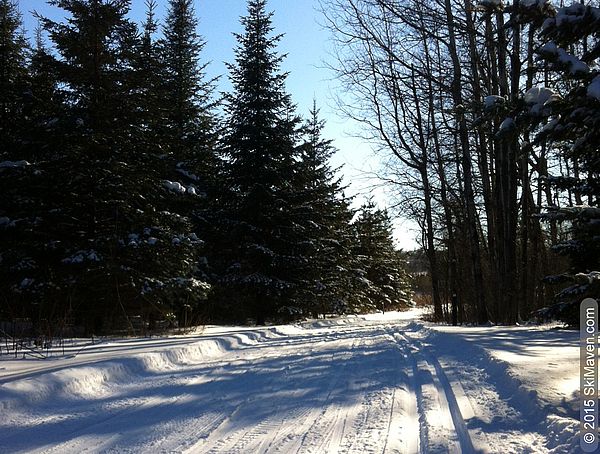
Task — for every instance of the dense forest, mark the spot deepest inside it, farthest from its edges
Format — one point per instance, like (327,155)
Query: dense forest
(488,116)
(134,197)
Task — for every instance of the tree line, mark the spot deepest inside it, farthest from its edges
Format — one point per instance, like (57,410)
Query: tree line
(132,194)
(489,114)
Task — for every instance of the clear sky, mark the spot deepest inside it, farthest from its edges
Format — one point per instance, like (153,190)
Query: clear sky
(307,44)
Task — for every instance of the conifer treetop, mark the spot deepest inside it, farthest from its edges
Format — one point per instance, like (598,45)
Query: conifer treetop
(256,77)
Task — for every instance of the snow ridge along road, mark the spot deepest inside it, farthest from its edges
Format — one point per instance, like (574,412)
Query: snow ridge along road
(372,384)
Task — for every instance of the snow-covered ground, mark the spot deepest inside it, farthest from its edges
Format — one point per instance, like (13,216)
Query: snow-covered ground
(368,384)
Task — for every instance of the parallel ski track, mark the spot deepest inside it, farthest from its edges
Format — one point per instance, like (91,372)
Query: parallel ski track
(421,361)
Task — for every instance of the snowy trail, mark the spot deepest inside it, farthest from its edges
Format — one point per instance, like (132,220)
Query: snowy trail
(354,385)
(443,427)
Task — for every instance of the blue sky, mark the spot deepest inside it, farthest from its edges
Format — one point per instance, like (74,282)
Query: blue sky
(307,44)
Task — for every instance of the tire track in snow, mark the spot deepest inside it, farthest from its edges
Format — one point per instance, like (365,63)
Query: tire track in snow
(385,420)
(86,422)
(290,427)
(382,418)
(320,428)
(80,439)
(162,409)
(296,436)
(229,437)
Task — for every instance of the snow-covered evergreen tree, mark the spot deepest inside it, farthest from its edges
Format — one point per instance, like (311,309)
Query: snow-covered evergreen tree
(325,215)
(261,248)
(568,115)
(383,283)
(105,236)
(15,169)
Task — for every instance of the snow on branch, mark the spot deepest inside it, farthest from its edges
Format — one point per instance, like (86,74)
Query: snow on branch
(82,256)
(593,90)
(14,164)
(174,186)
(563,60)
(540,99)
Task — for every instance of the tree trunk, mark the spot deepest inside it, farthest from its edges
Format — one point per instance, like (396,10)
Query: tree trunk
(465,158)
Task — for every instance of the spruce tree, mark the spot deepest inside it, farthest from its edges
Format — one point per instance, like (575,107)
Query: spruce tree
(187,123)
(87,214)
(571,123)
(186,104)
(384,280)
(106,241)
(148,66)
(44,105)
(325,217)
(13,77)
(261,253)
(15,166)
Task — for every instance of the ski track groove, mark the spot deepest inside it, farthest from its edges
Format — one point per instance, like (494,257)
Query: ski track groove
(391,419)
(404,415)
(401,342)
(422,361)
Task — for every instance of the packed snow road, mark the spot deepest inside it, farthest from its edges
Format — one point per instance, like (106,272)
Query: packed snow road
(348,385)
